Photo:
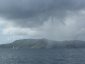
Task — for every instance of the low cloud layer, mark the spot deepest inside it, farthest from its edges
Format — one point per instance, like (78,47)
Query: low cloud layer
(52,19)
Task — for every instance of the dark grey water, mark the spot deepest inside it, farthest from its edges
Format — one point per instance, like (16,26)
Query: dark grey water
(42,56)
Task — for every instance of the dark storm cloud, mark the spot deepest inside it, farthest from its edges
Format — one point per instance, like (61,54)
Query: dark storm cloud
(35,12)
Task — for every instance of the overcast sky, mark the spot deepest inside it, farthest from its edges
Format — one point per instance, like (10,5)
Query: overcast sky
(51,19)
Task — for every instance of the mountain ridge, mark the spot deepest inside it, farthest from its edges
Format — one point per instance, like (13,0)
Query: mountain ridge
(44,43)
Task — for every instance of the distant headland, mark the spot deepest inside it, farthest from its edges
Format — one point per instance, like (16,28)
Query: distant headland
(44,43)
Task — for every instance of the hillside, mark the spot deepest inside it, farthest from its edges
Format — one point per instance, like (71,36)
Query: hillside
(44,43)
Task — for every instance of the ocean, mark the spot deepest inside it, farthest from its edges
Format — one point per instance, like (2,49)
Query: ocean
(42,56)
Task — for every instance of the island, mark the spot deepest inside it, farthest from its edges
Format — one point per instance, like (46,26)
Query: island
(44,43)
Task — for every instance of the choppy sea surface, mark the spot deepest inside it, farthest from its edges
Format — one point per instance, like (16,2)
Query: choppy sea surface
(42,56)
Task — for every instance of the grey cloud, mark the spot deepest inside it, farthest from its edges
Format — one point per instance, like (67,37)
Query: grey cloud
(30,13)
(52,19)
